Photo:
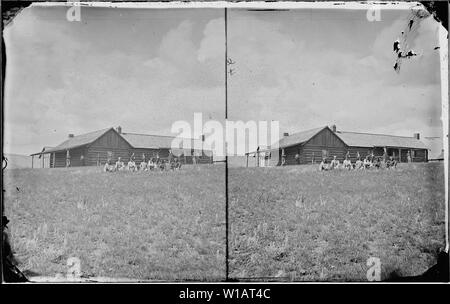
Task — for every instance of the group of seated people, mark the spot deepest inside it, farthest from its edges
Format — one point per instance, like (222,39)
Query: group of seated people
(369,161)
(152,165)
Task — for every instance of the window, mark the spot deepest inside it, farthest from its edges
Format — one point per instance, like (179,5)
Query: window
(324,153)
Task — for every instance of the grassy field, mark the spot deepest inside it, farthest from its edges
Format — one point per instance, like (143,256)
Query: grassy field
(158,226)
(296,223)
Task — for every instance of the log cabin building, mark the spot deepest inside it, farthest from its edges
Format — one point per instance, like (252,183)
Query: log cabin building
(311,146)
(94,148)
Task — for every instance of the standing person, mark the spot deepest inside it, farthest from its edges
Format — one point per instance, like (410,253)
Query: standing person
(170,155)
(67,158)
(194,158)
(82,159)
(157,158)
(384,158)
(283,157)
(408,156)
(108,157)
(297,158)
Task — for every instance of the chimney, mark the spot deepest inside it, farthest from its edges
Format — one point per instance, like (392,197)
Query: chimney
(417,136)
(285,134)
(333,127)
(71,135)
(119,129)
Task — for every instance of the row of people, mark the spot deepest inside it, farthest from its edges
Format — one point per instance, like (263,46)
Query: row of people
(367,163)
(152,165)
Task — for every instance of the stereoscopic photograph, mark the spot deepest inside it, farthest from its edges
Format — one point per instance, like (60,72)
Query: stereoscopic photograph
(353,189)
(225,142)
(94,187)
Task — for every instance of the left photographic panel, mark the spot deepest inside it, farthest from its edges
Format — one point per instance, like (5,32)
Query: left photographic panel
(108,173)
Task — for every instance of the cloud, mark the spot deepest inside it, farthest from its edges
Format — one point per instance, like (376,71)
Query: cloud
(73,78)
(280,76)
(212,45)
(60,81)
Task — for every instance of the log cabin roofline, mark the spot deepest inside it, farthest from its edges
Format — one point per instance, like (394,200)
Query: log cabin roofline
(351,140)
(371,140)
(152,141)
(378,134)
(134,140)
(79,141)
(298,138)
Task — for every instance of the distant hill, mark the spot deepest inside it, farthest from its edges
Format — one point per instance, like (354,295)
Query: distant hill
(16,161)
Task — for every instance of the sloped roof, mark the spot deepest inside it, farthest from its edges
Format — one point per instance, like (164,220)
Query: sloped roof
(145,141)
(355,139)
(77,141)
(293,139)
(148,141)
(299,137)
(46,148)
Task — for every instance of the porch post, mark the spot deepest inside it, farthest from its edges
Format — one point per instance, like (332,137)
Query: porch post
(247,161)
(68,158)
(399,155)
(32,161)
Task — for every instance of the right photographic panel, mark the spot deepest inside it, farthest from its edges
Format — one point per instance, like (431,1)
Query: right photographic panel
(337,170)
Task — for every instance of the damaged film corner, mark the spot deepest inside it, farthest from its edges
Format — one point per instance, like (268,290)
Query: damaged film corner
(166,142)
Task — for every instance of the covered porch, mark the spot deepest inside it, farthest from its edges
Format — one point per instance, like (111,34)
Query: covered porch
(52,158)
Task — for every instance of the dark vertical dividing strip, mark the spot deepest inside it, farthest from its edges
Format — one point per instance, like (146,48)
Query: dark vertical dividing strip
(226,152)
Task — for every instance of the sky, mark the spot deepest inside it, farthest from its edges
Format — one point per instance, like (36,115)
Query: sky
(140,69)
(145,69)
(312,68)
